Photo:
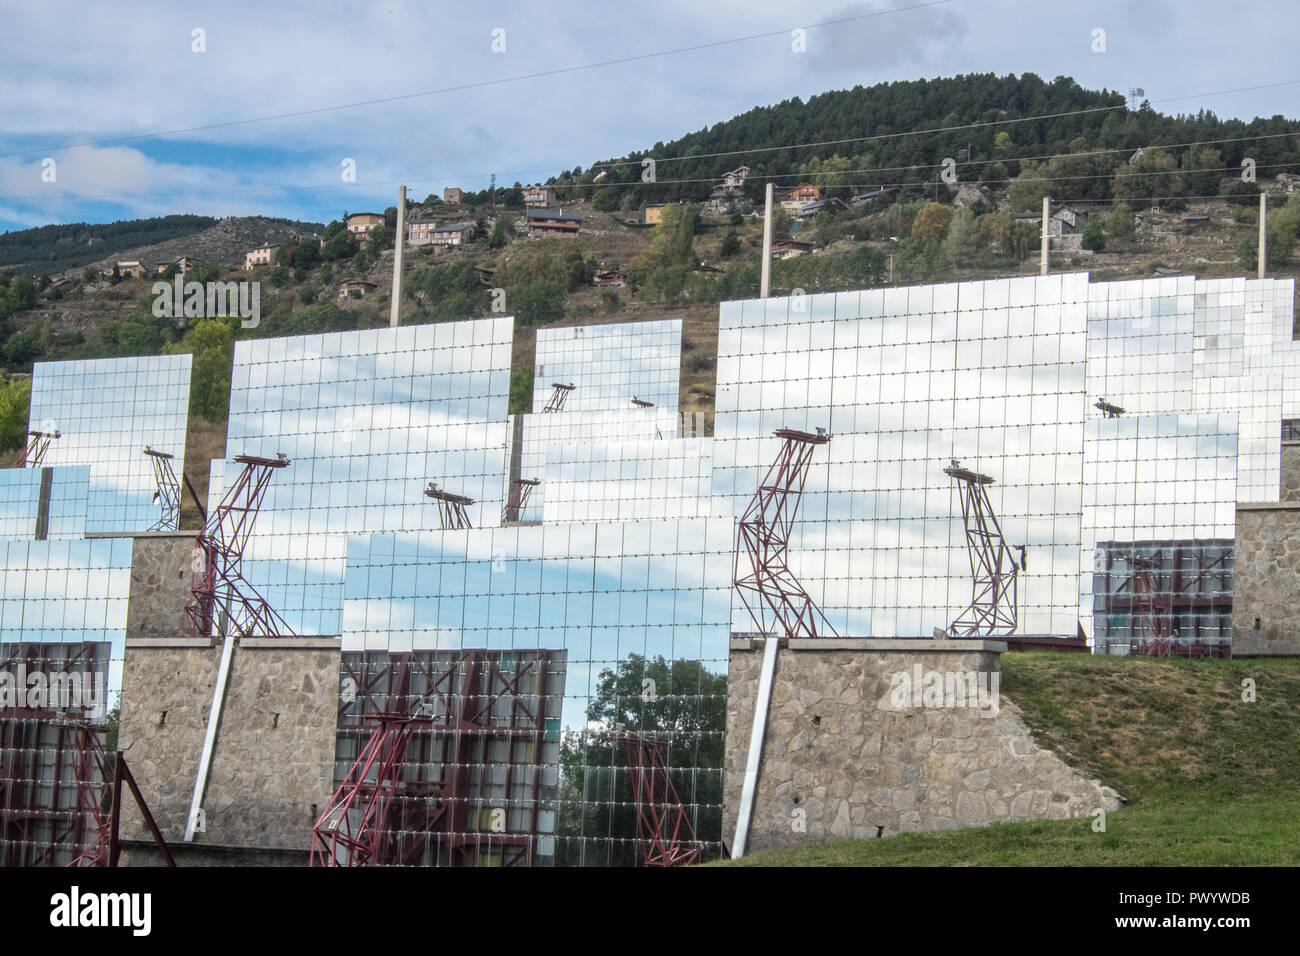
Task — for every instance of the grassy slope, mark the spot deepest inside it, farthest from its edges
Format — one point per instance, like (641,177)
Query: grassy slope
(1211,779)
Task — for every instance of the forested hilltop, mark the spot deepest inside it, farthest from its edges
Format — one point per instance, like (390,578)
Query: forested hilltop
(1019,116)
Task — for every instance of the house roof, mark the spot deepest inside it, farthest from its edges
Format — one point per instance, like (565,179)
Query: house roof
(455,227)
(555,214)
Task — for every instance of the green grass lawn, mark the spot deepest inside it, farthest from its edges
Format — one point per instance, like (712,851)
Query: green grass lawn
(1211,779)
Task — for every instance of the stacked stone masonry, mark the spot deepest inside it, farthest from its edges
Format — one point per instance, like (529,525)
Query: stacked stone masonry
(838,749)
(273,762)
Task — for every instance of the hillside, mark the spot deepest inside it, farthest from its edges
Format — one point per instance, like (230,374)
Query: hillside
(48,250)
(899,133)
(1211,779)
(1153,213)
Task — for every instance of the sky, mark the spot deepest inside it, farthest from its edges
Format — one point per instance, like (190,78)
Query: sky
(82,73)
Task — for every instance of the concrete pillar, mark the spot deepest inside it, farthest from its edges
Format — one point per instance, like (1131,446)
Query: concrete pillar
(1044,238)
(395,308)
(1263,242)
(766,281)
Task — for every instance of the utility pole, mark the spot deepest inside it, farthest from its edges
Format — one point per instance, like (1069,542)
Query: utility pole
(765,282)
(1043,240)
(1263,242)
(395,308)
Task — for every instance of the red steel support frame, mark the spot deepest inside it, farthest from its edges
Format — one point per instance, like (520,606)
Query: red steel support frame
(222,589)
(558,397)
(767,583)
(451,508)
(667,837)
(459,713)
(992,609)
(168,494)
(520,489)
(355,828)
(37,444)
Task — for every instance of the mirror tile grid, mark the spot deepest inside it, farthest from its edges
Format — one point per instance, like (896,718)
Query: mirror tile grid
(603,606)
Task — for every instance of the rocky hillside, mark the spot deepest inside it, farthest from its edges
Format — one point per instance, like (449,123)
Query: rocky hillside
(223,244)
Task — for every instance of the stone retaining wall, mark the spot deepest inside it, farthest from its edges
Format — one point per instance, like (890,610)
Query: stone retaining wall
(841,758)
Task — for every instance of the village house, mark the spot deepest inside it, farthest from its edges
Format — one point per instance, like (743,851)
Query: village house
(609,277)
(261,256)
(356,289)
(1065,229)
(800,196)
(132,268)
(735,179)
(544,221)
(451,194)
(789,248)
(360,223)
(452,234)
(182,264)
(654,213)
(419,232)
(539,196)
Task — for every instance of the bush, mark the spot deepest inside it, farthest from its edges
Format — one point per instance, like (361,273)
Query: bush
(1094,238)
(521,391)
(279,276)
(539,303)
(15,398)
(306,295)
(1121,224)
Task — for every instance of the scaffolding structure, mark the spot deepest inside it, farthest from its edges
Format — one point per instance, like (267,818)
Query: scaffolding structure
(762,575)
(60,792)
(1176,599)
(452,773)
(168,493)
(558,396)
(222,597)
(667,836)
(992,610)
(38,442)
(451,508)
(355,829)
(520,489)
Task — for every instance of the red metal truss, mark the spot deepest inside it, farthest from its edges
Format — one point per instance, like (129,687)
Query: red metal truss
(558,397)
(520,489)
(451,508)
(168,494)
(439,715)
(762,575)
(667,837)
(355,829)
(222,596)
(992,609)
(1159,593)
(37,444)
(63,756)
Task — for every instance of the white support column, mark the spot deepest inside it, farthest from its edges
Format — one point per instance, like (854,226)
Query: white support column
(766,281)
(755,758)
(1044,238)
(1263,240)
(210,735)
(395,308)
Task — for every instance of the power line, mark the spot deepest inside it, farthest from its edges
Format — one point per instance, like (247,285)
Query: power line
(558,71)
(710,179)
(940,129)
